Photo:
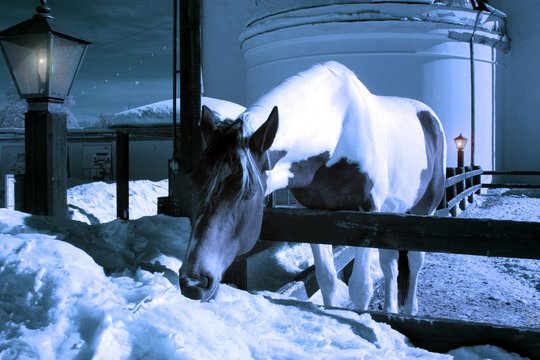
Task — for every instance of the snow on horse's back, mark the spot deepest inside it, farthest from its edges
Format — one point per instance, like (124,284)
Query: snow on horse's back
(323,135)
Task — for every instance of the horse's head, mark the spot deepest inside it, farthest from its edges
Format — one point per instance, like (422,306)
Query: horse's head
(228,191)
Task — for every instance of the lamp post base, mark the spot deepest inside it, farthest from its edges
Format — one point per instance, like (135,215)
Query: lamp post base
(46,159)
(460,155)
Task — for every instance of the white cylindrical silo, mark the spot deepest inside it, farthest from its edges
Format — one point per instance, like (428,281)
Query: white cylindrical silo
(416,49)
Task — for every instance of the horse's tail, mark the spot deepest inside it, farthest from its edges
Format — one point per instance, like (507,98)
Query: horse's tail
(403,277)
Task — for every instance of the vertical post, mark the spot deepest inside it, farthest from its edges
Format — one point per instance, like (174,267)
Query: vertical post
(451,190)
(122,175)
(187,146)
(190,84)
(469,183)
(175,73)
(460,156)
(477,180)
(461,187)
(473,82)
(46,158)
(10,192)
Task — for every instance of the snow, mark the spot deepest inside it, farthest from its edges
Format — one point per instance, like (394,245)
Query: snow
(160,113)
(109,290)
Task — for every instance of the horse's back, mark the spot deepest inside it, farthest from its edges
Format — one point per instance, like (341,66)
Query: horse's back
(382,151)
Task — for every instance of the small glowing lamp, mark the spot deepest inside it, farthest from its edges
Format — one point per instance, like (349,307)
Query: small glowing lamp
(461,142)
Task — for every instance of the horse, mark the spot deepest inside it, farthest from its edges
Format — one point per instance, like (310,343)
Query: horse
(336,146)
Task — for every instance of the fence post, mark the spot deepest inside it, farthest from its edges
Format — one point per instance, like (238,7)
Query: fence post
(477,179)
(460,187)
(122,175)
(469,184)
(451,190)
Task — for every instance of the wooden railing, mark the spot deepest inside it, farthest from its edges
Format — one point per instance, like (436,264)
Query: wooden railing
(461,185)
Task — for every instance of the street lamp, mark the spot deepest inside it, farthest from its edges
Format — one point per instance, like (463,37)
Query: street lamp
(460,144)
(43,61)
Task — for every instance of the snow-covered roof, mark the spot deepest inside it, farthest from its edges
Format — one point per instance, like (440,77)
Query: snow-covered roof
(160,113)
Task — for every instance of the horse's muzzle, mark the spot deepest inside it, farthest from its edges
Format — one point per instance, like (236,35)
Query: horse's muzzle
(196,286)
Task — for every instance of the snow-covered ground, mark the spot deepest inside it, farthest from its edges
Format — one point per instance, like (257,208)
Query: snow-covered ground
(107,289)
(494,290)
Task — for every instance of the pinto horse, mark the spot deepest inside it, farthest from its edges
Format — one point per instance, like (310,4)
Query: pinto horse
(336,146)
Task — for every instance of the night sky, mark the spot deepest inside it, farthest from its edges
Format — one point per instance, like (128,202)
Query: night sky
(132,42)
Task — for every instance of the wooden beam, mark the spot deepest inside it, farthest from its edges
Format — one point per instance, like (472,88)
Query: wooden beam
(304,285)
(443,335)
(404,232)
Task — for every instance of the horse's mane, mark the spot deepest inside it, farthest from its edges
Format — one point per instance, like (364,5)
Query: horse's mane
(227,167)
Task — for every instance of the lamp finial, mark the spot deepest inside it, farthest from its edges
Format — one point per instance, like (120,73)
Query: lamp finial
(43,10)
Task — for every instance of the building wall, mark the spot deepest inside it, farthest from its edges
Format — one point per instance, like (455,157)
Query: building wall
(518,136)
(515,133)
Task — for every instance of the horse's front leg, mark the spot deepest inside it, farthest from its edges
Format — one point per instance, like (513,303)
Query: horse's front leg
(416,260)
(389,266)
(325,272)
(360,282)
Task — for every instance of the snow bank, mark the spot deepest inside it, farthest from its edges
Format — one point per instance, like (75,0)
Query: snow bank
(57,302)
(95,202)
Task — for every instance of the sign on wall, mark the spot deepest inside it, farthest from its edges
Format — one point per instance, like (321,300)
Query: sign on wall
(97,163)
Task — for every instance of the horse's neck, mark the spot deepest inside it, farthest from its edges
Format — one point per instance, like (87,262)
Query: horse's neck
(312,108)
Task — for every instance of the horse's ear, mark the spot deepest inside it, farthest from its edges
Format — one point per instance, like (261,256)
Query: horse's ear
(262,139)
(208,124)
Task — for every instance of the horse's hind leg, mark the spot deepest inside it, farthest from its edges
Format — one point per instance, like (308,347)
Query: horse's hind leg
(389,266)
(360,282)
(416,260)
(325,272)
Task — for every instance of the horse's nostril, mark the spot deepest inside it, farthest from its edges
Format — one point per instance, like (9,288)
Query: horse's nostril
(189,281)
(193,286)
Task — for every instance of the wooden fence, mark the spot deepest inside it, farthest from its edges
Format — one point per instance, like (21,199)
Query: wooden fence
(444,233)
(461,185)
(521,174)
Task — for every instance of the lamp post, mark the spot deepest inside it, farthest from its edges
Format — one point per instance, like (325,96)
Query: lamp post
(43,61)
(136,83)
(460,144)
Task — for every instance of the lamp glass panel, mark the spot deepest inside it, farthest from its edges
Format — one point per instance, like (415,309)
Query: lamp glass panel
(66,57)
(460,143)
(27,57)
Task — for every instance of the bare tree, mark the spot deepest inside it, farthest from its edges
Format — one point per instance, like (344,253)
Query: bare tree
(13,108)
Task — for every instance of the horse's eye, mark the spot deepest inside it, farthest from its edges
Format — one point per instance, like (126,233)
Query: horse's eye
(248,194)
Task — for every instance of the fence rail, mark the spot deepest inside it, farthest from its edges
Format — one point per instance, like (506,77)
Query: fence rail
(511,185)
(505,238)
